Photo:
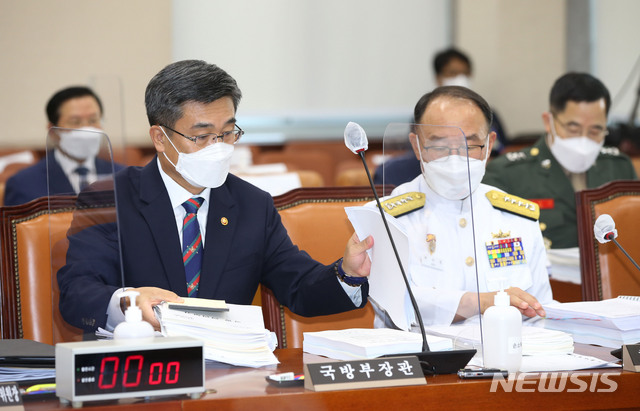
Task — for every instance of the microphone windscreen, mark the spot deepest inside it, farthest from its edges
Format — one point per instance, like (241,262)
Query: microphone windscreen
(603,226)
(355,138)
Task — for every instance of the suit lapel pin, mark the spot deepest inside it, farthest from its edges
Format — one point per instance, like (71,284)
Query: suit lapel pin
(224,221)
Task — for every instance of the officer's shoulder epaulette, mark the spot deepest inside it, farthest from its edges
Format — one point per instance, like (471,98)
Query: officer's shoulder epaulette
(610,151)
(404,203)
(514,204)
(515,156)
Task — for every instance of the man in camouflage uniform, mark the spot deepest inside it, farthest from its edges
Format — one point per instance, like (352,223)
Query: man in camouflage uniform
(569,158)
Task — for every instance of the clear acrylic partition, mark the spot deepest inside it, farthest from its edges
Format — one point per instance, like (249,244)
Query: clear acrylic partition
(77,213)
(111,91)
(397,155)
(442,258)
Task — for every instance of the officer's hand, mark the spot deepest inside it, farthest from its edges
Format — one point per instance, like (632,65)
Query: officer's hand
(151,296)
(356,262)
(525,302)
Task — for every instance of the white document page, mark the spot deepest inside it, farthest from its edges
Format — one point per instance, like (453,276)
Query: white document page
(386,285)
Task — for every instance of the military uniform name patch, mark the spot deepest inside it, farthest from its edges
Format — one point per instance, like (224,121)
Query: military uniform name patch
(505,252)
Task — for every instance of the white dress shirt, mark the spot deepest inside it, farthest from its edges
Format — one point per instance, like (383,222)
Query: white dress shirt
(69,167)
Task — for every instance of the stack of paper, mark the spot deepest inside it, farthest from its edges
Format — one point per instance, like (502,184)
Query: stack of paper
(361,343)
(535,340)
(236,336)
(8,374)
(610,323)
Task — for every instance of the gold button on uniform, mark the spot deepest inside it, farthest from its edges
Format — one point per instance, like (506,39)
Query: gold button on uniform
(543,226)
(469,261)
(534,151)
(462,222)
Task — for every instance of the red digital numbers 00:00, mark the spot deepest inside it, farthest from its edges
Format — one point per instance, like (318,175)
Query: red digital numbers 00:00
(132,372)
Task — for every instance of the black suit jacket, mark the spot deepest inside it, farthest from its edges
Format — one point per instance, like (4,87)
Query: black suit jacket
(31,182)
(253,247)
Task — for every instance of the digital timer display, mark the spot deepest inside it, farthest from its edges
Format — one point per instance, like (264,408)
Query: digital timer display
(131,371)
(102,370)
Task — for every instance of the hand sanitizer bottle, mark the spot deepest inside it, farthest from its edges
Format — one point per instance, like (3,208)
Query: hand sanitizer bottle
(133,326)
(502,331)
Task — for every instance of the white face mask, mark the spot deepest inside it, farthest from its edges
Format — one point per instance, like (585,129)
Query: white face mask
(576,154)
(459,80)
(206,168)
(449,178)
(82,143)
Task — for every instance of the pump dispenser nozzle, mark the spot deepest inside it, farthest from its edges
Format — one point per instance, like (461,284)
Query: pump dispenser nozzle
(501,299)
(133,325)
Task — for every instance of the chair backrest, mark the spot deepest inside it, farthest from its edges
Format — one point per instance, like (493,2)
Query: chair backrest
(317,223)
(606,272)
(29,232)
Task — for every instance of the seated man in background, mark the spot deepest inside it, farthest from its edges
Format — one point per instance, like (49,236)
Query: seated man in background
(189,228)
(452,68)
(72,162)
(569,158)
(442,266)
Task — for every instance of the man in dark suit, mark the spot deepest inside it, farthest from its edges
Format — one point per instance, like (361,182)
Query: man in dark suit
(241,241)
(77,111)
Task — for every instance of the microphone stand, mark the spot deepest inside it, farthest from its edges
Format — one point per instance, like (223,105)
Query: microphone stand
(625,253)
(433,362)
(634,109)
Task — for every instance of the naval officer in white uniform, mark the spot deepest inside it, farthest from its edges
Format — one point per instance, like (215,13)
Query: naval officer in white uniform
(435,209)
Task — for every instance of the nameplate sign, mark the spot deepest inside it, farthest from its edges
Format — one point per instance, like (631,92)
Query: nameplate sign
(10,397)
(631,357)
(377,372)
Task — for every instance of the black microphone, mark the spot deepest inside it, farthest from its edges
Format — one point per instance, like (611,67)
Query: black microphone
(436,362)
(605,230)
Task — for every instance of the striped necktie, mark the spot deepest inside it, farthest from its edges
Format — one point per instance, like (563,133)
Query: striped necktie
(192,245)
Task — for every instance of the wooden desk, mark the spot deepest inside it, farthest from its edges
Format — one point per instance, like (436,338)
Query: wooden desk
(246,389)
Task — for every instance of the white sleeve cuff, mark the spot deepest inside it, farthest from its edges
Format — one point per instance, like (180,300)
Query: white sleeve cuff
(353,292)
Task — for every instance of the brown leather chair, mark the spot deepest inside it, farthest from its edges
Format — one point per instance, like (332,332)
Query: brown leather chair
(317,223)
(29,290)
(606,272)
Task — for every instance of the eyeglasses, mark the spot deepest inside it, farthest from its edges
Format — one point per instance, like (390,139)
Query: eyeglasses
(229,137)
(78,122)
(596,133)
(434,153)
